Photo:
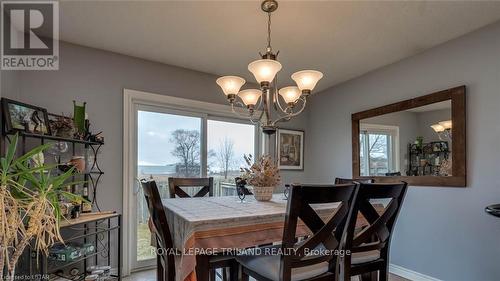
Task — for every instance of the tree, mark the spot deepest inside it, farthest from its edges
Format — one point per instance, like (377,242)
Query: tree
(225,155)
(187,149)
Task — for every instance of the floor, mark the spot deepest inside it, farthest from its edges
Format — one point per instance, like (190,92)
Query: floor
(150,275)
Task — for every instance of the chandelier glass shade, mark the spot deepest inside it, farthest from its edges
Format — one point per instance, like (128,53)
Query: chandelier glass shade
(307,79)
(443,129)
(268,98)
(264,70)
(230,85)
(290,94)
(250,96)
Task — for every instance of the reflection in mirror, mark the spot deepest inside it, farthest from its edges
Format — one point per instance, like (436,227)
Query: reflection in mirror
(413,142)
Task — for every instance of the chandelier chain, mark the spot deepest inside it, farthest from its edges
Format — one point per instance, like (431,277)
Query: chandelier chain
(268,31)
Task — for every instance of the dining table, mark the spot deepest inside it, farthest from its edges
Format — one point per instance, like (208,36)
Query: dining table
(204,226)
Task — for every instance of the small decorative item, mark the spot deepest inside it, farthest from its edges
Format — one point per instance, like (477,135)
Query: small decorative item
(97,138)
(241,190)
(78,162)
(419,142)
(25,118)
(290,149)
(89,159)
(37,160)
(286,191)
(86,207)
(446,168)
(262,175)
(61,126)
(79,117)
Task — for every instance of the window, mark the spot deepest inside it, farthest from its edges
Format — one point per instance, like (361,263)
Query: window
(227,143)
(379,149)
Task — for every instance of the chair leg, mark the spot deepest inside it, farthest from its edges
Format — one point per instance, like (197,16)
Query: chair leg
(160,273)
(383,275)
(367,276)
(225,273)
(233,271)
(202,268)
(244,276)
(213,274)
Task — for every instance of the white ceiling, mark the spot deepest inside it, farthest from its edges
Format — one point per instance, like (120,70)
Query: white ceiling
(341,39)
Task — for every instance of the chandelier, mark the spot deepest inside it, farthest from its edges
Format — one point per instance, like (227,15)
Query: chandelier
(266,98)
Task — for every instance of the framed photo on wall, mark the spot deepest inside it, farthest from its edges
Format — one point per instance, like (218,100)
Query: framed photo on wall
(24,117)
(290,149)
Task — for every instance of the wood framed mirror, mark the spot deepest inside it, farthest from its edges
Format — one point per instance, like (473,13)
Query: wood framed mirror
(421,141)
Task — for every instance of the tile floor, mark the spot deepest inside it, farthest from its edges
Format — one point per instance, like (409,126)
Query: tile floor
(150,275)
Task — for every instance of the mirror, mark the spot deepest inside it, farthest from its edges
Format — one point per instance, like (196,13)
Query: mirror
(421,141)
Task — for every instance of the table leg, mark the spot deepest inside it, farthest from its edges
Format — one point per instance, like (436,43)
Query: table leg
(202,268)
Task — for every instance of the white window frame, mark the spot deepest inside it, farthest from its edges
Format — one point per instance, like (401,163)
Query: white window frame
(395,149)
(134,100)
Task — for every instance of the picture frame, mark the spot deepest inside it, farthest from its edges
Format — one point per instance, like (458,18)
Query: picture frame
(23,117)
(61,126)
(290,149)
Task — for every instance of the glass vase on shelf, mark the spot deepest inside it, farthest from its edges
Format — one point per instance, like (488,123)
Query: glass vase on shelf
(89,159)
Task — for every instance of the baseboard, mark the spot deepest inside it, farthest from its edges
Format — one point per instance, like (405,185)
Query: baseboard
(410,274)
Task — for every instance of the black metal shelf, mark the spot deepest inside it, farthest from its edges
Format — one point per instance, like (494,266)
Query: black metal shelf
(91,228)
(87,235)
(62,266)
(95,231)
(55,138)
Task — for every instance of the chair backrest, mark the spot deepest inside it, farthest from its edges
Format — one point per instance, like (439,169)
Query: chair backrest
(241,186)
(160,229)
(347,181)
(377,235)
(324,234)
(175,186)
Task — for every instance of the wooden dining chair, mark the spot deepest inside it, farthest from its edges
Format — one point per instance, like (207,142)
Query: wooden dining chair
(298,263)
(175,186)
(344,180)
(164,244)
(370,247)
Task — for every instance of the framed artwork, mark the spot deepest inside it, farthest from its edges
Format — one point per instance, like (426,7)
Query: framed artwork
(290,149)
(24,117)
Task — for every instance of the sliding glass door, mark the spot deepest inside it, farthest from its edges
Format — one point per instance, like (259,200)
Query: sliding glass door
(168,145)
(173,143)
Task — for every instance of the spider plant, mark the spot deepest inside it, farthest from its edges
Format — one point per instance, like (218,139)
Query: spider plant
(29,205)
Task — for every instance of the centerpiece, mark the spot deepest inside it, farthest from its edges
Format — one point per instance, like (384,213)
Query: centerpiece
(263,176)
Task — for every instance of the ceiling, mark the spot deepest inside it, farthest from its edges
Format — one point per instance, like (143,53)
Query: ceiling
(342,39)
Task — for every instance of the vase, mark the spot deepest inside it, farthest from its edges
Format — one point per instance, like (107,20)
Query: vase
(263,193)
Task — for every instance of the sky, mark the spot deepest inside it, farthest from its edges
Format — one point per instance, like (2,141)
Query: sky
(155,129)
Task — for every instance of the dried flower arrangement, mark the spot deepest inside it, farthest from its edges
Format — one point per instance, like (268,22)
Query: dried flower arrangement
(29,206)
(264,172)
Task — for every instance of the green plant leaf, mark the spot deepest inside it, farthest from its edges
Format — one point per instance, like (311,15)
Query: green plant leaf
(11,151)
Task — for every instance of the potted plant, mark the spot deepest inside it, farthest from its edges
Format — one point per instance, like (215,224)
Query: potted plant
(263,176)
(29,206)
